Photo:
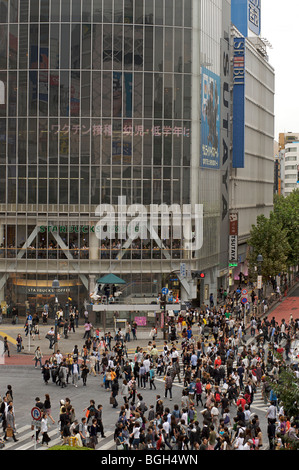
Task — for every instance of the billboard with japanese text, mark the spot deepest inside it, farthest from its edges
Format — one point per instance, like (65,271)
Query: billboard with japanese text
(210,120)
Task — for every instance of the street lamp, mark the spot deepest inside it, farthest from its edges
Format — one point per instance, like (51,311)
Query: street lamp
(55,286)
(259,279)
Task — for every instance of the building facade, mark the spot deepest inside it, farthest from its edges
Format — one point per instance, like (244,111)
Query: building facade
(291,168)
(252,176)
(110,99)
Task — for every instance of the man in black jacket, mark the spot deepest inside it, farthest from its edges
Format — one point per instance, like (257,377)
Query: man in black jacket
(99,418)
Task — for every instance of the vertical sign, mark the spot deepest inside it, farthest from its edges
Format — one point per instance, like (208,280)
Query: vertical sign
(233,237)
(225,134)
(239,103)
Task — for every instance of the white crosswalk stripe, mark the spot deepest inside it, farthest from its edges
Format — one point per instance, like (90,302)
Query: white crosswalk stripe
(26,442)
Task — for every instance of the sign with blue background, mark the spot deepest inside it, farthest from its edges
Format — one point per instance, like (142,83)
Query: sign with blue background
(210,120)
(239,103)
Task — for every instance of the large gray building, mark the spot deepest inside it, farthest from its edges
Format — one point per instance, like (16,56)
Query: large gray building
(110,99)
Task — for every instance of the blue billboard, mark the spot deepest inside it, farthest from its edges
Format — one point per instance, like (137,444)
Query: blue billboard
(210,120)
(239,103)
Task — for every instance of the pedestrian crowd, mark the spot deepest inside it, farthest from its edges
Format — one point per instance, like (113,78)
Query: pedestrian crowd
(219,376)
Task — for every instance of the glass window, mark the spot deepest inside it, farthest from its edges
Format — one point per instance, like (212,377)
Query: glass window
(32,184)
(42,184)
(96,95)
(97,11)
(188,13)
(118,47)
(74,184)
(169,12)
(84,185)
(32,93)
(22,140)
(2,141)
(2,180)
(22,179)
(32,140)
(44,10)
(178,19)
(128,47)
(64,93)
(34,11)
(107,47)
(139,15)
(148,48)
(107,14)
(75,47)
(65,47)
(85,141)
(14,10)
(158,49)
(23,46)
(12,138)
(65,10)
(97,47)
(24,11)
(43,141)
(159,7)
(118,11)
(55,10)
(53,184)
(3,46)
(128,11)
(63,184)
(85,93)
(86,11)
(76,11)
(53,141)
(86,46)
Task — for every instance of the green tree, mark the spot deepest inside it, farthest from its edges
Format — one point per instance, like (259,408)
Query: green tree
(270,239)
(286,211)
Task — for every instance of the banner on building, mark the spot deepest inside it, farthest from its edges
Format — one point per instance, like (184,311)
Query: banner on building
(210,120)
(239,103)
(233,237)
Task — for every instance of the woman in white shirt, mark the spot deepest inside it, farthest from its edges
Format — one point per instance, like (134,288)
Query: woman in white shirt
(136,436)
(44,429)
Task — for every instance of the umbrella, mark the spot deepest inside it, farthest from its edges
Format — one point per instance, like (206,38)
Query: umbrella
(110,279)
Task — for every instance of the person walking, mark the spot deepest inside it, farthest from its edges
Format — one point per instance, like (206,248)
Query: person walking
(47,407)
(10,424)
(99,417)
(84,373)
(44,429)
(19,341)
(114,392)
(38,357)
(6,346)
(168,386)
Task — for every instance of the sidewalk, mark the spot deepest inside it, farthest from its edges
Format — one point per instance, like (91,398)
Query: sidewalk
(64,345)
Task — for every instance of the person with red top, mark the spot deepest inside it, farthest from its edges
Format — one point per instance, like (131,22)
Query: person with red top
(241,401)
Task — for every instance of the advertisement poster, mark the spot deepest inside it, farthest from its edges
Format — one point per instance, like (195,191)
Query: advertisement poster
(210,120)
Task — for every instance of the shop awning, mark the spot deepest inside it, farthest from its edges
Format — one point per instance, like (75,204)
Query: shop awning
(110,279)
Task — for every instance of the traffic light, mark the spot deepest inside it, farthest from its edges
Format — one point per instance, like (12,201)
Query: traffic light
(163,302)
(198,275)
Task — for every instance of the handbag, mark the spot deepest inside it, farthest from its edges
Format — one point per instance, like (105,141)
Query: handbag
(9,432)
(112,400)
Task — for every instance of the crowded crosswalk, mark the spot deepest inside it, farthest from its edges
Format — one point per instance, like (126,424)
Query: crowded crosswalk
(25,434)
